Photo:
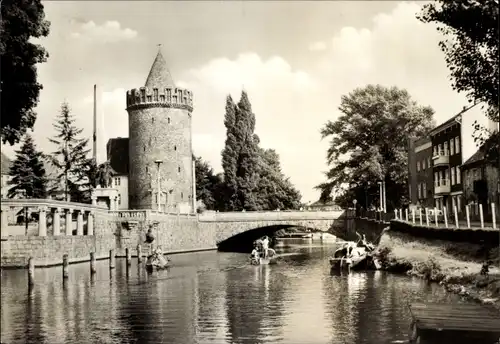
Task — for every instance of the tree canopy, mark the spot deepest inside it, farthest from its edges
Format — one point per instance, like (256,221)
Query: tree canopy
(208,185)
(369,142)
(21,20)
(471,43)
(28,172)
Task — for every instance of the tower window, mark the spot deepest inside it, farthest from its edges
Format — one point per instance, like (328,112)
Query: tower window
(149,98)
(147,169)
(169,94)
(168,120)
(144,147)
(178,169)
(150,142)
(143,95)
(182,196)
(155,94)
(175,148)
(152,120)
(162,98)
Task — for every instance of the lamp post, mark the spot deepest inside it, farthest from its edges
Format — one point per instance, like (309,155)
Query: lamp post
(158,163)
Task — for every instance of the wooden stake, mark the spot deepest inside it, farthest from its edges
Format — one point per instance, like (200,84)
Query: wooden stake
(128,255)
(92,263)
(31,272)
(65,266)
(139,253)
(112,258)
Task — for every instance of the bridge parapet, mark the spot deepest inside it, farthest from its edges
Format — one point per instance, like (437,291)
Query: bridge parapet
(269,216)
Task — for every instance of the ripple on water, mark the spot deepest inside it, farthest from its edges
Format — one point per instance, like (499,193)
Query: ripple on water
(212,297)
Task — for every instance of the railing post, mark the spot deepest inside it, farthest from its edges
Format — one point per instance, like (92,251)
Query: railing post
(401,214)
(112,258)
(467,215)
(406,214)
(31,272)
(456,216)
(395,214)
(90,223)
(481,216)
(92,263)
(42,221)
(426,217)
(69,222)
(56,221)
(436,216)
(493,216)
(65,266)
(79,222)
(445,217)
(413,215)
(139,253)
(420,215)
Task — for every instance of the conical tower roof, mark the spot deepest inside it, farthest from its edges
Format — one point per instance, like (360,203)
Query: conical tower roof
(159,75)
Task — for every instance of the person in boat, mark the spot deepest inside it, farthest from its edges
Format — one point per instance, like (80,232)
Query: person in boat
(265,246)
(255,253)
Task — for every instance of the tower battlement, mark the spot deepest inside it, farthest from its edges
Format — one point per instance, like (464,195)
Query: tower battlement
(174,97)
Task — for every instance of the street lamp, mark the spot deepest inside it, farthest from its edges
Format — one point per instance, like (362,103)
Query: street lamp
(158,163)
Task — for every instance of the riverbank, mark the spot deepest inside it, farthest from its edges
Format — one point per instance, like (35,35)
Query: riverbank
(456,266)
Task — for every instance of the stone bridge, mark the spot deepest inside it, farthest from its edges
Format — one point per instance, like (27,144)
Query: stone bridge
(236,227)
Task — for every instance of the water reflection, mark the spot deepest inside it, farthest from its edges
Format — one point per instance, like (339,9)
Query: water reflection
(211,298)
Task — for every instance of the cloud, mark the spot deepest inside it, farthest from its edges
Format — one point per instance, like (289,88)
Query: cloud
(108,32)
(318,46)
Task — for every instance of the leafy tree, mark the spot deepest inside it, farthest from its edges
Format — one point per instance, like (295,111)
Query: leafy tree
(247,170)
(208,185)
(70,158)
(275,191)
(471,51)
(370,142)
(28,172)
(230,155)
(20,21)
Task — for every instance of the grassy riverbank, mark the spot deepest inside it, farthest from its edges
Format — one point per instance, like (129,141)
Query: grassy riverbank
(456,266)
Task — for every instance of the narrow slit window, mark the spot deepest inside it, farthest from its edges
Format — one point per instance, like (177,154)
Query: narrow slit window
(152,120)
(175,148)
(178,169)
(168,120)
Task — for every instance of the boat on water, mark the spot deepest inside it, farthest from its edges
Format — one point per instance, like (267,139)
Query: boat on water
(157,261)
(270,259)
(352,256)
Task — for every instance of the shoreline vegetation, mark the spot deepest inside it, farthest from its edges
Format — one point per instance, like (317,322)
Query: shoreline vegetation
(455,266)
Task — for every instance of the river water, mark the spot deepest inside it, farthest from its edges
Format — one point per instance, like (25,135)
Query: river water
(212,297)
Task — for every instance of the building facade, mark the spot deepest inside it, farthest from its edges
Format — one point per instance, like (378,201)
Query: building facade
(117,155)
(5,163)
(420,172)
(435,160)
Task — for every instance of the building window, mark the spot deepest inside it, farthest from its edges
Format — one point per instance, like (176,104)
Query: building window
(453,173)
(117,181)
(149,98)
(147,169)
(429,162)
(435,150)
(119,199)
(143,95)
(155,94)
(457,145)
(446,151)
(418,190)
(423,164)
(418,166)
(152,119)
(436,178)
(178,169)
(441,150)
(144,147)
(459,181)
(162,98)
(182,196)
(452,147)
(169,94)
(424,191)
(446,177)
(175,148)
(168,120)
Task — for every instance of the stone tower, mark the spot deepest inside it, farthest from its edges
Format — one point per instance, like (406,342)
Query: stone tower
(160,129)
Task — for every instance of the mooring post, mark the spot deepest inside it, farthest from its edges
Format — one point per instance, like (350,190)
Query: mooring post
(112,259)
(481,215)
(467,215)
(31,272)
(445,217)
(493,216)
(139,253)
(456,215)
(128,256)
(65,266)
(92,263)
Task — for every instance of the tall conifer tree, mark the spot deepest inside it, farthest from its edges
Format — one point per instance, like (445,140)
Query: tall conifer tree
(28,172)
(70,158)
(230,156)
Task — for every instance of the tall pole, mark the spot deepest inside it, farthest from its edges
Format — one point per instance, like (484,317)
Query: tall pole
(94,137)
(384,196)
(194,186)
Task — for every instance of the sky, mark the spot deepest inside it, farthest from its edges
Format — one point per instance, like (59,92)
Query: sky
(294,59)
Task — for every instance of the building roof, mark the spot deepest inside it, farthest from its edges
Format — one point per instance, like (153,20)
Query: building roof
(159,75)
(117,149)
(6,163)
(475,158)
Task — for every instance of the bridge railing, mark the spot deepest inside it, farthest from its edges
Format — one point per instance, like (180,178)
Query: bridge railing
(13,221)
(269,216)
